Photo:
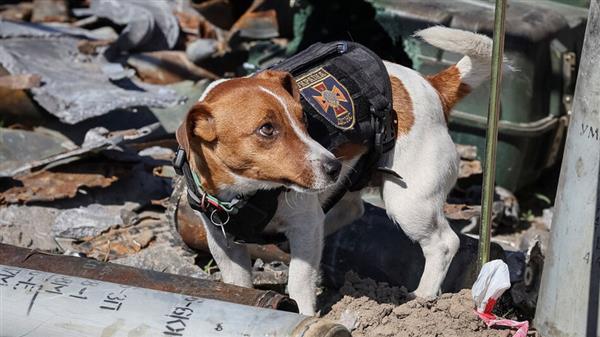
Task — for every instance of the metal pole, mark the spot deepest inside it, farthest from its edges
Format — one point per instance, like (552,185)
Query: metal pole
(489,173)
(569,298)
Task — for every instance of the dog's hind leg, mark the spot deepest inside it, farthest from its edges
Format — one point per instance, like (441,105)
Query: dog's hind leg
(232,259)
(422,220)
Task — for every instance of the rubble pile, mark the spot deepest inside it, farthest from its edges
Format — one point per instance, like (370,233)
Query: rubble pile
(372,309)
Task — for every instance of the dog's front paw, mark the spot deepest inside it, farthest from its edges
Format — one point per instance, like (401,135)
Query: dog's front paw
(417,295)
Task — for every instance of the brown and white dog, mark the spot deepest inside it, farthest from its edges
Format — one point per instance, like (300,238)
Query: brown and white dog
(247,134)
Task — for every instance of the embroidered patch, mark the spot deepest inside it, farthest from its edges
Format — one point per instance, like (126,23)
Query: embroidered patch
(329,97)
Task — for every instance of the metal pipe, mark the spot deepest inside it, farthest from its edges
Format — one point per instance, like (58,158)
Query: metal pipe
(109,272)
(569,299)
(36,303)
(489,169)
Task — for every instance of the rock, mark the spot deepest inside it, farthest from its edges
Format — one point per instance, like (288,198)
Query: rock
(165,258)
(201,49)
(28,226)
(82,222)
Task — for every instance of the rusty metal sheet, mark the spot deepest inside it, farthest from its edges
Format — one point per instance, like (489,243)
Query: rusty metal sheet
(50,11)
(21,11)
(118,242)
(48,186)
(469,168)
(54,55)
(96,139)
(218,12)
(256,25)
(20,146)
(461,211)
(167,67)
(16,107)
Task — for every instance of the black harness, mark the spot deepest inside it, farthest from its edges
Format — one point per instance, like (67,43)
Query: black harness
(346,96)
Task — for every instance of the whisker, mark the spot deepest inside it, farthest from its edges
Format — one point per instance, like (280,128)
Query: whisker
(348,166)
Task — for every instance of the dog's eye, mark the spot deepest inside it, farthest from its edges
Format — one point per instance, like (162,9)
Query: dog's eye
(267,130)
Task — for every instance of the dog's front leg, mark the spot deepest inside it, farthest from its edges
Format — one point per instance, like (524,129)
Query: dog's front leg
(232,259)
(306,244)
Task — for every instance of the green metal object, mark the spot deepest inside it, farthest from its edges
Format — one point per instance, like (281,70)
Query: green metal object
(489,168)
(580,3)
(534,98)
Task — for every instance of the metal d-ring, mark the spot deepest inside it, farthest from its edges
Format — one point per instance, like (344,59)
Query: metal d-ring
(220,224)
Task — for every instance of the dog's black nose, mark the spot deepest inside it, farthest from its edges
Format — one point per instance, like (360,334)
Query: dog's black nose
(332,168)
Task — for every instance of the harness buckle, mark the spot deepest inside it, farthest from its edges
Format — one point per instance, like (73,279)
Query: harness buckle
(178,161)
(379,126)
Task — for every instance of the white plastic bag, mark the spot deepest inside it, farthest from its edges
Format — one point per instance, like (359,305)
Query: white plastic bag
(492,282)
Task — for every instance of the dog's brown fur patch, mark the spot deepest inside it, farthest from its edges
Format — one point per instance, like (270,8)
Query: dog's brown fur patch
(348,151)
(403,106)
(449,87)
(222,133)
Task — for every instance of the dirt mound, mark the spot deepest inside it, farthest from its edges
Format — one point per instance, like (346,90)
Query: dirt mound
(377,310)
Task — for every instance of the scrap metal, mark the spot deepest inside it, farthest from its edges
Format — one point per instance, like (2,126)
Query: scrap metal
(468,168)
(150,25)
(20,11)
(20,146)
(167,67)
(116,242)
(50,11)
(17,227)
(89,221)
(91,269)
(66,93)
(96,139)
(48,186)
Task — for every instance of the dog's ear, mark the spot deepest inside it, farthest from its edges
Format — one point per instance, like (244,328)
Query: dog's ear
(285,79)
(182,136)
(200,123)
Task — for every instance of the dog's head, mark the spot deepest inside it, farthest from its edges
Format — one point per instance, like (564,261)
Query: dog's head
(251,132)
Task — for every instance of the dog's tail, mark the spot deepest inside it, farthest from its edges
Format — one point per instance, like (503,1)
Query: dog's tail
(457,81)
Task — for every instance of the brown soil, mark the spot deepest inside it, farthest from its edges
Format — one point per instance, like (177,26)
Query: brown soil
(378,310)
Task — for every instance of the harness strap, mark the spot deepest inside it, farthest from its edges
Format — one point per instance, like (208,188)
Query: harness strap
(243,219)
